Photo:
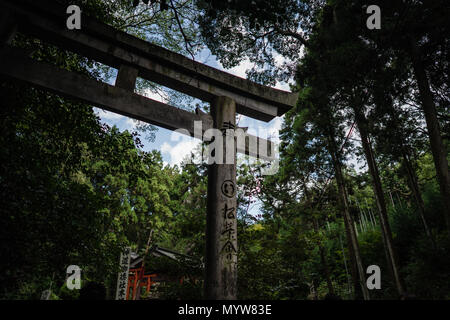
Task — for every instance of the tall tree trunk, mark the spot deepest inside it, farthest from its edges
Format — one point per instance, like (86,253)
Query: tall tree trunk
(434,132)
(357,291)
(411,174)
(321,248)
(414,185)
(347,217)
(324,260)
(380,200)
(345,266)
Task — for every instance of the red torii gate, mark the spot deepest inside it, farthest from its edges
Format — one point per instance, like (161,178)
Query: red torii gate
(145,282)
(137,277)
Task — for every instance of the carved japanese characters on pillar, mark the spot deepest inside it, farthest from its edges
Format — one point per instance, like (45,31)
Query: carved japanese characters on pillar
(221,270)
(228,235)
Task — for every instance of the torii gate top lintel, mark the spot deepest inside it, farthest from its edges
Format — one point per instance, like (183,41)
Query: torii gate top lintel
(103,43)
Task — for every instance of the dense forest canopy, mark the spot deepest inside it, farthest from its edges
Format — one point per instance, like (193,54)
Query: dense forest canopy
(363,179)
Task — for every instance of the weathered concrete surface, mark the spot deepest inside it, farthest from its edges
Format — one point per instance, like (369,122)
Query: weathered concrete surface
(118,100)
(107,45)
(221,225)
(126,77)
(14,64)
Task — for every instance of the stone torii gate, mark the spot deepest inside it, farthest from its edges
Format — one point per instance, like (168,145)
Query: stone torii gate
(134,57)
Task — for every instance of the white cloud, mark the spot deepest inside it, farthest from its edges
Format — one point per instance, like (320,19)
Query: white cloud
(282,86)
(240,70)
(112,118)
(107,115)
(131,124)
(274,129)
(160,96)
(179,147)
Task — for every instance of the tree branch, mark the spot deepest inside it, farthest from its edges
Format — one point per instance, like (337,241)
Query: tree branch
(292,34)
(186,39)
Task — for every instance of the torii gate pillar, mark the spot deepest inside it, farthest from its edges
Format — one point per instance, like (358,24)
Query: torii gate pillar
(221,224)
